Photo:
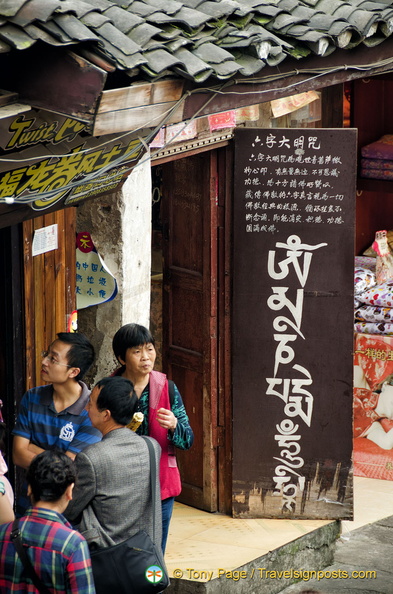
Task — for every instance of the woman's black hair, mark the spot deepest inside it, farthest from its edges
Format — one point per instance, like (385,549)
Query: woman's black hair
(128,337)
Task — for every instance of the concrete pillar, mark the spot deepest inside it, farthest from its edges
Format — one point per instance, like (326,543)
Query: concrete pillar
(120,226)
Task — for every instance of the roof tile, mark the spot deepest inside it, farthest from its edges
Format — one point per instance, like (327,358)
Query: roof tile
(39,10)
(141,34)
(196,39)
(123,20)
(16,37)
(9,8)
(115,37)
(74,27)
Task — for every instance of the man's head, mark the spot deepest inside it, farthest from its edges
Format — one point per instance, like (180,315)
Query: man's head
(128,337)
(69,356)
(50,477)
(112,402)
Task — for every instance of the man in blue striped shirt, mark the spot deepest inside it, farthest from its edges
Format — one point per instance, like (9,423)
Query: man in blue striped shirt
(59,555)
(54,416)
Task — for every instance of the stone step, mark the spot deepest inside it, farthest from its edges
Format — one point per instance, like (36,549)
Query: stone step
(271,572)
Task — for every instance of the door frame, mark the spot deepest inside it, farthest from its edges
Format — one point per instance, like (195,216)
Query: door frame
(217,455)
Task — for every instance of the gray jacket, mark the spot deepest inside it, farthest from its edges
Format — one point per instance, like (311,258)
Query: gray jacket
(112,491)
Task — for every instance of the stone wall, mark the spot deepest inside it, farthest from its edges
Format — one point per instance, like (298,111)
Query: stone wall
(120,226)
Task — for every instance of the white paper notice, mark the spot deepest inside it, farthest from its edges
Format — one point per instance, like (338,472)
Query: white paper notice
(45,240)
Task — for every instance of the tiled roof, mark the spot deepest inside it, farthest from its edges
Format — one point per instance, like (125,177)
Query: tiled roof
(195,39)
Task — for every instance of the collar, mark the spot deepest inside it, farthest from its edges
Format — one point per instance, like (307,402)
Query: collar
(46,514)
(115,432)
(76,408)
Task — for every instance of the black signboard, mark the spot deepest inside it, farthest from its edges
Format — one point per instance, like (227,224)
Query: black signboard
(294,208)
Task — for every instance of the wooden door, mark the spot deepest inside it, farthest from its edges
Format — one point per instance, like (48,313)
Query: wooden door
(12,353)
(49,283)
(190,313)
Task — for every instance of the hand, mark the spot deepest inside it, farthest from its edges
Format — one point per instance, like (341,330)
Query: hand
(166,419)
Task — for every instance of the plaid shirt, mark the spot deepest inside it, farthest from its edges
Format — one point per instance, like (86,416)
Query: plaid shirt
(59,554)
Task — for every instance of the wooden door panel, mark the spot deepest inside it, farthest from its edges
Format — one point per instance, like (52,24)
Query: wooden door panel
(191,462)
(189,314)
(49,283)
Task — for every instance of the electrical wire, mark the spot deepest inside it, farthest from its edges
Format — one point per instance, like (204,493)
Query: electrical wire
(166,116)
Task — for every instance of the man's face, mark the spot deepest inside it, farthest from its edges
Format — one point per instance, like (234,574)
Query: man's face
(96,416)
(55,368)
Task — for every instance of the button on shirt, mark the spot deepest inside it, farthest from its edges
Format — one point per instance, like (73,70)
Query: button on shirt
(59,554)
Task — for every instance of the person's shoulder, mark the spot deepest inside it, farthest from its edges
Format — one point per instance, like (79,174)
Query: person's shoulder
(158,375)
(64,537)
(85,394)
(39,394)
(155,443)
(38,391)
(4,528)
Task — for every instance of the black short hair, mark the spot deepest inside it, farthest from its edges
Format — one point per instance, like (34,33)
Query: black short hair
(81,353)
(117,395)
(49,475)
(128,337)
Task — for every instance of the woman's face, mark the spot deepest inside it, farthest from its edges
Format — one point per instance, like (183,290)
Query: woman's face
(140,360)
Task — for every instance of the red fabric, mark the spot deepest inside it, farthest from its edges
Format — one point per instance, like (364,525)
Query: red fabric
(364,415)
(374,355)
(371,461)
(159,398)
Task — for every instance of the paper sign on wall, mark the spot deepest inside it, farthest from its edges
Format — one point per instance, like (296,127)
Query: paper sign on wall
(45,240)
(94,282)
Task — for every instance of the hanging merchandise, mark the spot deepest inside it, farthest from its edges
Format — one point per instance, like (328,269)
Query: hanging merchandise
(384,264)
(94,282)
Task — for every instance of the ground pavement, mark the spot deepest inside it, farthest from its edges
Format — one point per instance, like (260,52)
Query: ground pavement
(363,564)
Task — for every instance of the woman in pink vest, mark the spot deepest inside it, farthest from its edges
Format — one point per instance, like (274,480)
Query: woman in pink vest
(166,421)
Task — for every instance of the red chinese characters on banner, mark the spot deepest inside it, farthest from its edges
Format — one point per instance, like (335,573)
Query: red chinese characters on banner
(226,119)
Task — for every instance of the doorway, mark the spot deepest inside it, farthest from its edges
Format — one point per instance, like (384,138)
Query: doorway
(191,244)
(12,353)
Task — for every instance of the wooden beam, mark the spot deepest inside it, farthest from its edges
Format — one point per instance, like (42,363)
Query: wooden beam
(148,116)
(301,76)
(7,97)
(61,82)
(140,94)
(7,111)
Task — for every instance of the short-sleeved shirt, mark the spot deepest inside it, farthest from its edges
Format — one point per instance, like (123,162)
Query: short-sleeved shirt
(40,423)
(59,555)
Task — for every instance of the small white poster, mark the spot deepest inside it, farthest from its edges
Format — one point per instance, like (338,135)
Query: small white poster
(45,240)
(95,284)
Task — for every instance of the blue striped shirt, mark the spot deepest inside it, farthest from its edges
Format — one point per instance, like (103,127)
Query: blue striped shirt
(40,423)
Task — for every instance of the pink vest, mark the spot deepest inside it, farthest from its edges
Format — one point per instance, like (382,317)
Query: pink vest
(169,472)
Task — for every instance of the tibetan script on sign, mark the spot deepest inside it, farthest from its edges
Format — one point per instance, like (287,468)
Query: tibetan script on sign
(292,322)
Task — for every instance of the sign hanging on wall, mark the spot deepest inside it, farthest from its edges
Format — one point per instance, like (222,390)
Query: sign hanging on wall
(95,284)
(294,210)
(46,158)
(45,240)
